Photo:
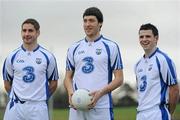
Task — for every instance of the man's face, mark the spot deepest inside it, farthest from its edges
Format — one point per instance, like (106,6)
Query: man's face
(91,26)
(29,34)
(147,40)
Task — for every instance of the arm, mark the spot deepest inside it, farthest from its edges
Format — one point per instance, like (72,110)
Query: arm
(7,85)
(173,97)
(68,84)
(118,81)
(52,86)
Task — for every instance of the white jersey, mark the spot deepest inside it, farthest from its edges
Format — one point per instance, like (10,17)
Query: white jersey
(93,63)
(30,72)
(154,76)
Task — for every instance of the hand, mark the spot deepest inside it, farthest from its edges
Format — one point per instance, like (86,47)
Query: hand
(70,100)
(96,95)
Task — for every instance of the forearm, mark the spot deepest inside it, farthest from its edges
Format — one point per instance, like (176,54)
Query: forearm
(117,82)
(113,85)
(173,98)
(7,86)
(52,86)
(68,85)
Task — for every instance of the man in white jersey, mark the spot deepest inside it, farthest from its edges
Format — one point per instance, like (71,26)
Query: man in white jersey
(90,64)
(30,77)
(157,83)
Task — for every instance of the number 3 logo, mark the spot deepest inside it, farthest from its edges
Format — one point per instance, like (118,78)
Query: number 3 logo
(29,77)
(88,67)
(143,84)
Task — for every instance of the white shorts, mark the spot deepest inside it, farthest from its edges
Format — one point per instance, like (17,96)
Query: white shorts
(93,114)
(29,110)
(154,113)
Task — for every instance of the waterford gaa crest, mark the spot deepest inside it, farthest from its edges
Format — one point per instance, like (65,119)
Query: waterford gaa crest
(98,51)
(38,60)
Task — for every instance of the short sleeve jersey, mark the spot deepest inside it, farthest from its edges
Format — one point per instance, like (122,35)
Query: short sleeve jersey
(29,72)
(154,76)
(93,64)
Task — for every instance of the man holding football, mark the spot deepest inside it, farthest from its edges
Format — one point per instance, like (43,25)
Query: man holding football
(91,64)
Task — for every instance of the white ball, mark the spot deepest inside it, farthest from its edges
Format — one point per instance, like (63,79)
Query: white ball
(81,99)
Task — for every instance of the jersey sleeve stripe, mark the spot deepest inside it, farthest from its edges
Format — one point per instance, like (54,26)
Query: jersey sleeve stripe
(119,59)
(53,76)
(172,72)
(69,66)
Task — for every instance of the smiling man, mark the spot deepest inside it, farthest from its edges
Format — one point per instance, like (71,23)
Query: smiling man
(91,62)
(156,77)
(30,77)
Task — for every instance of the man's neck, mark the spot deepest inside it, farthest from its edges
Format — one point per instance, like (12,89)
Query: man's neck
(30,47)
(92,38)
(149,52)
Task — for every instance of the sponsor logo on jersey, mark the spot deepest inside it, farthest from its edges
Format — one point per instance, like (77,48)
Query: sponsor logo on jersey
(98,51)
(150,67)
(140,70)
(38,60)
(81,52)
(20,61)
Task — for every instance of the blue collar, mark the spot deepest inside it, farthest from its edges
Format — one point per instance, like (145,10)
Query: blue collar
(96,39)
(152,53)
(24,49)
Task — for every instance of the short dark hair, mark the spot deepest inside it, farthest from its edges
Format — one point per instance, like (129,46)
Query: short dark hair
(94,11)
(33,22)
(149,26)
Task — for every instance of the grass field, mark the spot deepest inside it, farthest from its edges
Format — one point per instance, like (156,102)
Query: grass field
(121,113)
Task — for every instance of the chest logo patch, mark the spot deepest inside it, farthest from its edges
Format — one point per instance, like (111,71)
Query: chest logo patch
(38,60)
(98,51)
(150,67)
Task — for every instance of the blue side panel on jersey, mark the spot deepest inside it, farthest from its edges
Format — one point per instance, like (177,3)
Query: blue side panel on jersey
(109,71)
(163,93)
(46,84)
(111,113)
(172,71)
(164,113)
(109,63)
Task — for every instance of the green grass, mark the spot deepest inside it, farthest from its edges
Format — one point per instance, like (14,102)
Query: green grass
(120,113)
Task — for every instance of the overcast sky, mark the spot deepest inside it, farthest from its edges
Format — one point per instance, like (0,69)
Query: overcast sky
(61,25)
